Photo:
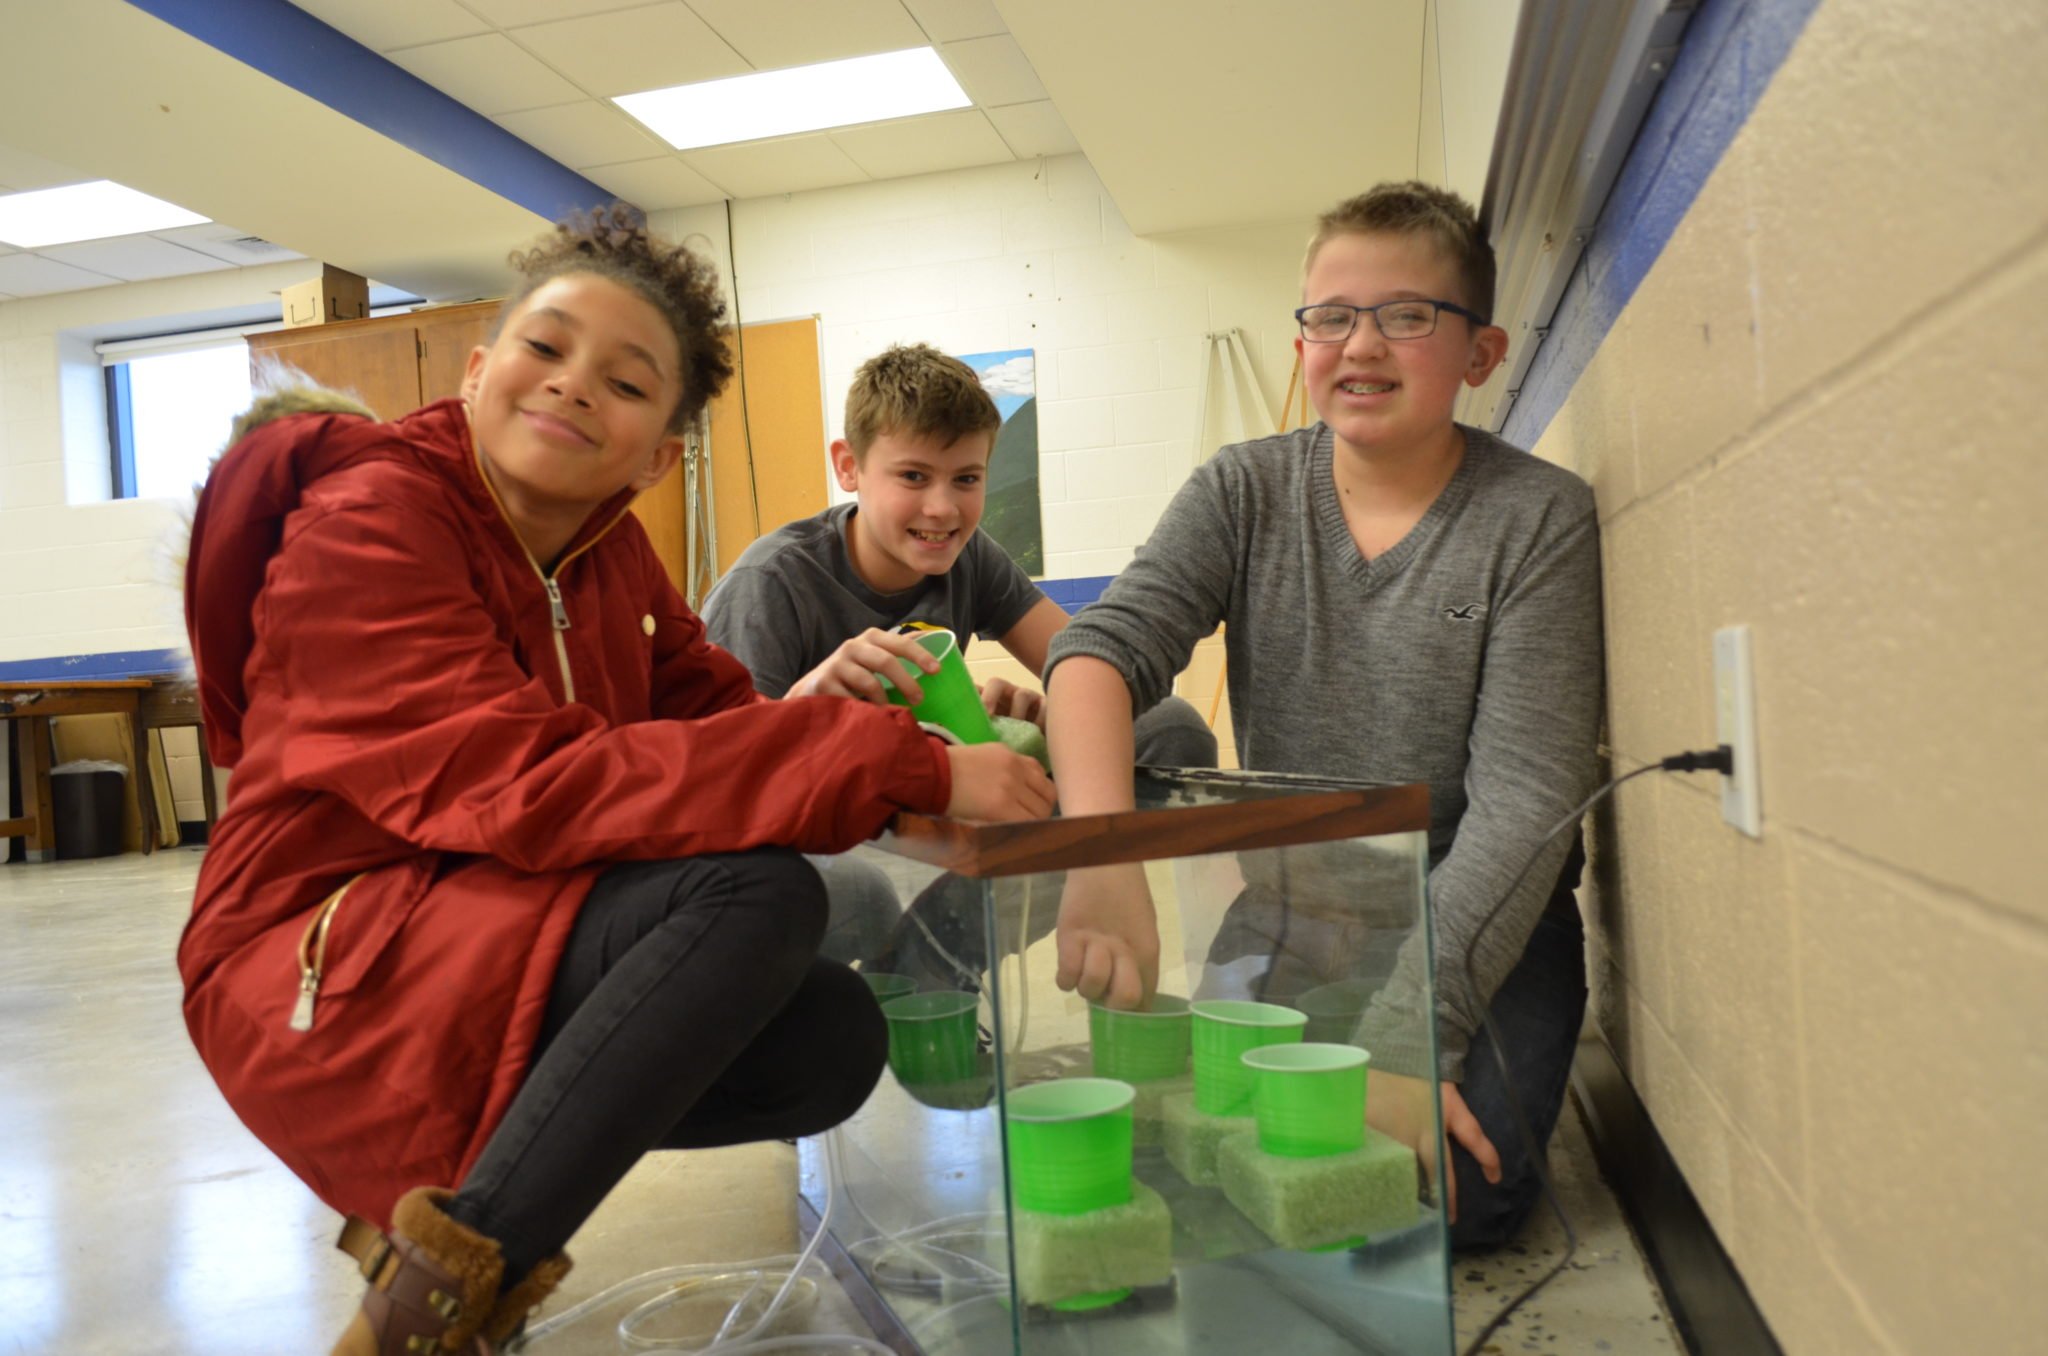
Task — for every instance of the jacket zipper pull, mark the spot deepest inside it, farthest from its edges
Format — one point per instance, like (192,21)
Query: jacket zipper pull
(302,1011)
(555,602)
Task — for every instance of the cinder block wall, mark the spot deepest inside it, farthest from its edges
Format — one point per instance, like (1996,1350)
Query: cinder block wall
(1821,414)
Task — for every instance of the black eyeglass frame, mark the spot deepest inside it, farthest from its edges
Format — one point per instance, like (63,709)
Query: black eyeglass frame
(1374,312)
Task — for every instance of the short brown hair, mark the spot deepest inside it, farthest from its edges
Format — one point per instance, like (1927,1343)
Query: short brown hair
(1416,208)
(614,243)
(915,389)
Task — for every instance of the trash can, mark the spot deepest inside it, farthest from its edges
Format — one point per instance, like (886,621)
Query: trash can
(85,802)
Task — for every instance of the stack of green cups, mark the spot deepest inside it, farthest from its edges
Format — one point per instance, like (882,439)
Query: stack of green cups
(1309,1099)
(1070,1153)
(950,698)
(1140,1047)
(1224,1028)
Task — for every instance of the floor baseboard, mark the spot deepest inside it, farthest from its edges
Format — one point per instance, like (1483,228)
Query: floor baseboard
(1711,1306)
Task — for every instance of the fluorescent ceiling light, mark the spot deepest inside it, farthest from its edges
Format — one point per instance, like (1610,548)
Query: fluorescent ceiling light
(58,216)
(799,99)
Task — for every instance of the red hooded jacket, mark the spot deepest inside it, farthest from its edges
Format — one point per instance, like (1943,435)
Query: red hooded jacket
(410,715)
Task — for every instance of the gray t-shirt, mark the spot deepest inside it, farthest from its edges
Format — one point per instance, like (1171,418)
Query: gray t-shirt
(793,597)
(1468,657)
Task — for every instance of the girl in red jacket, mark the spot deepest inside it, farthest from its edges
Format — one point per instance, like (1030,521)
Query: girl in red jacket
(509,889)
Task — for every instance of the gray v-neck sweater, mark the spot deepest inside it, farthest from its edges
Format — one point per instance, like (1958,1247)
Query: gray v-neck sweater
(1467,657)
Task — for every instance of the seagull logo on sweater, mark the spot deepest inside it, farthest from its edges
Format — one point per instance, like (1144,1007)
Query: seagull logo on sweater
(1470,612)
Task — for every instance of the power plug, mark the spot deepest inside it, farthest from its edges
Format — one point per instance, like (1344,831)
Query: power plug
(1735,721)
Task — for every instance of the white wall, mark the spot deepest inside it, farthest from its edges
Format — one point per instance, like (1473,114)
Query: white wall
(1033,256)
(1013,256)
(80,574)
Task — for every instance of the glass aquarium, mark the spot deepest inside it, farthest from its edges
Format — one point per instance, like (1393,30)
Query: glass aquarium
(1038,1174)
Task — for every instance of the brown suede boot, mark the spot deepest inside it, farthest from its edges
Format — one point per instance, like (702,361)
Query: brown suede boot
(434,1284)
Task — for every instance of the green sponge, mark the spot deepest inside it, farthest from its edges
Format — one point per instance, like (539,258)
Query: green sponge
(1148,1113)
(1021,736)
(1067,1257)
(1321,1202)
(1193,1137)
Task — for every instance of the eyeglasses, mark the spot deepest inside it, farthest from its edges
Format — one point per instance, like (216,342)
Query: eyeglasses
(1333,321)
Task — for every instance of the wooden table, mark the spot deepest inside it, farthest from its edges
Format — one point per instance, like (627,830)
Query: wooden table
(147,702)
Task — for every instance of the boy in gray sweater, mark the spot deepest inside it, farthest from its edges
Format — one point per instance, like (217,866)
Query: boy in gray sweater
(1407,600)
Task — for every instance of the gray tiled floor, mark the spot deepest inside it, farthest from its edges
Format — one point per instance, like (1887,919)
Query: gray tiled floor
(138,1218)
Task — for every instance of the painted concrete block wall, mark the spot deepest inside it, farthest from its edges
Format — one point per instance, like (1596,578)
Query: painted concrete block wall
(1820,415)
(1030,255)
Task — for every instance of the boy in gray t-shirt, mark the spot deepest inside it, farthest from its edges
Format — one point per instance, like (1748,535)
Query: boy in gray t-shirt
(812,608)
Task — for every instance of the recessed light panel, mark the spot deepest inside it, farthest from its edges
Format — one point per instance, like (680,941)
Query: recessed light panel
(94,211)
(799,99)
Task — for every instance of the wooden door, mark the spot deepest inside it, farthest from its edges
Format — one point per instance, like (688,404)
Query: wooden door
(768,466)
(375,359)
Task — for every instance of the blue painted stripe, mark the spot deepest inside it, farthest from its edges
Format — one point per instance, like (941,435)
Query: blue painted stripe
(1071,594)
(296,49)
(1075,594)
(82,667)
(1726,59)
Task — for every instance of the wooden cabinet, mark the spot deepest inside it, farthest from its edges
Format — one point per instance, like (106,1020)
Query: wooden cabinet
(394,363)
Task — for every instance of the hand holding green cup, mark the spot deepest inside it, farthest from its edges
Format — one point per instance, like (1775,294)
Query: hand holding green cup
(950,699)
(1139,1047)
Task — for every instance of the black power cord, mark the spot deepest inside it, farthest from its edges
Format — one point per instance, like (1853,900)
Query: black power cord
(1722,760)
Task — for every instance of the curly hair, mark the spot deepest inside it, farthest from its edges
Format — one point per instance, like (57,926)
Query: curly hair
(1416,208)
(915,389)
(614,243)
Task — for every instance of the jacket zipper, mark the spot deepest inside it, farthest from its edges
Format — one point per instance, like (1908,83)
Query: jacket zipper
(556,609)
(561,616)
(313,959)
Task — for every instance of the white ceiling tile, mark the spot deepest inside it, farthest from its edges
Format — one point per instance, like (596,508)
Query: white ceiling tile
(926,145)
(488,73)
(132,258)
(31,275)
(589,133)
(229,243)
(653,185)
(761,169)
(993,71)
(802,32)
(1034,129)
(20,172)
(512,13)
(634,50)
(952,20)
(381,25)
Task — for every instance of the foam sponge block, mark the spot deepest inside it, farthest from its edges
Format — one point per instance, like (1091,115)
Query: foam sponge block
(1193,1137)
(1316,1202)
(1148,1113)
(1062,1256)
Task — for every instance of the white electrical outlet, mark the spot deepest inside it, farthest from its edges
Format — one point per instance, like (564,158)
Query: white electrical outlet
(1735,720)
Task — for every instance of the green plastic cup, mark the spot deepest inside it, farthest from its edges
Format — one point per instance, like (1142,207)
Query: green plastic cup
(1309,1099)
(1334,1010)
(949,696)
(931,1036)
(887,986)
(1224,1028)
(1139,1047)
(1070,1144)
